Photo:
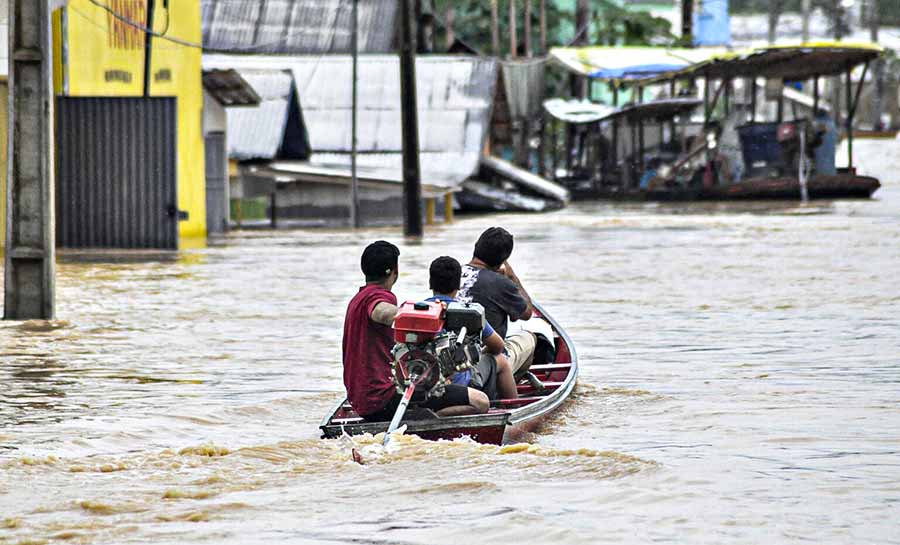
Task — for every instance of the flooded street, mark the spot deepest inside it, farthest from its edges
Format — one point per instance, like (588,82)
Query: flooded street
(740,383)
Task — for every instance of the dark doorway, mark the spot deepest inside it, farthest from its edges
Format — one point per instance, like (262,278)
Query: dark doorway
(116,173)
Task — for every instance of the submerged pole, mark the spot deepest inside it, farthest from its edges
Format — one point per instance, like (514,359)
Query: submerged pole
(753,93)
(412,188)
(354,182)
(815,95)
(30,270)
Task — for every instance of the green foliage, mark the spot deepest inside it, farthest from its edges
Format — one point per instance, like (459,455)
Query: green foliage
(610,25)
(888,10)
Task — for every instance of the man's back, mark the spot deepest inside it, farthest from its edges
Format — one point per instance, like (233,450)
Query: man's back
(367,351)
(496,293)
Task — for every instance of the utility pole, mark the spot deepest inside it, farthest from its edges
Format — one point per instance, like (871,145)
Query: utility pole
(837,15)
(878,103)
(582,22)
(775,7)
(495,28)
(527,29)
(412,188)
(513,37)
(148,47)
(543,25)
(542,128)
(30,271)
(687,22)
(354,181)
(450,36)
(805,9)
(421,28)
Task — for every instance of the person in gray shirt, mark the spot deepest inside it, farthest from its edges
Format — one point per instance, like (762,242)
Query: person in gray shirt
(489,280)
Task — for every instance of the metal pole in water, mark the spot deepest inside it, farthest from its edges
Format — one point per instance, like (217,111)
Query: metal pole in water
(30,271)
(804,192)
(354,182)
(412,189)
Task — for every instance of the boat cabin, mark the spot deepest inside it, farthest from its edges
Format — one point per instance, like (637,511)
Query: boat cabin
(736,142)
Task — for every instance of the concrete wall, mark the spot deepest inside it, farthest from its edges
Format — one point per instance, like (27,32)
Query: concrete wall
(215,119)
(314,203)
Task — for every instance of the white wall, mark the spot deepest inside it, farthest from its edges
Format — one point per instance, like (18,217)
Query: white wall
(4,37)
(214,117)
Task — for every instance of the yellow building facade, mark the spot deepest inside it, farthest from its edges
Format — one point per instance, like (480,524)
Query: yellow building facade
(100,52)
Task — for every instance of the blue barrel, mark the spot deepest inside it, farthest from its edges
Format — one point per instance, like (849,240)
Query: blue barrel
(759,144)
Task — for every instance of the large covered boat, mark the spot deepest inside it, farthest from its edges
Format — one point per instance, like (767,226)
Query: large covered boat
(655,150)
(507,418)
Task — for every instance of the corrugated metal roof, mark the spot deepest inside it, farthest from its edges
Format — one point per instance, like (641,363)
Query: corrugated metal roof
(454,101)
(524,85)
(296,27)
(229,88)
(258,133)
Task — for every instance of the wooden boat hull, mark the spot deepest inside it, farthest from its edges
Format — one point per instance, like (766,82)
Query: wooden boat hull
(507,420)
(838,186)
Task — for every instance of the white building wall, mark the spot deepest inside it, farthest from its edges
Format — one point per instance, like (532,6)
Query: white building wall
(4,37)
(214,117)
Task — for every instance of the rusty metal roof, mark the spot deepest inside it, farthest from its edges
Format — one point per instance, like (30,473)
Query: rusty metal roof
(454,98)
(795,62)
(229,88)
(296,27)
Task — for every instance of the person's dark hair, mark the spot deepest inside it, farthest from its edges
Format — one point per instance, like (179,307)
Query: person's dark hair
(494,246)
(378,260)
(444,274)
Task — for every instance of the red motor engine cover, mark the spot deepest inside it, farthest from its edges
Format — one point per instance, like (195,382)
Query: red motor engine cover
(417,323)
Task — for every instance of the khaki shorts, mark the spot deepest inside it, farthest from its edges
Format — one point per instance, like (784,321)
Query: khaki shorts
(520,351)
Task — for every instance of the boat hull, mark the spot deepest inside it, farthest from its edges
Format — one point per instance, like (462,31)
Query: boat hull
(838,186)
(507,420)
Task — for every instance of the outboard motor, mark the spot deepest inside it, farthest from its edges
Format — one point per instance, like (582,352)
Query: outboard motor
(433,342)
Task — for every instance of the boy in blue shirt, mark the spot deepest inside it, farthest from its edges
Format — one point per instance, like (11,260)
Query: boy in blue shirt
(493,375)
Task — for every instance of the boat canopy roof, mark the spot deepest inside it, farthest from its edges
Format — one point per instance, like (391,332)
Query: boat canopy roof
(581,112)
(627,64)
(577,111)
(659,110)
(790,62)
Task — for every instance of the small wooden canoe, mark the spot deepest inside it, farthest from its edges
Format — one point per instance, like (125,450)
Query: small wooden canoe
(507,417)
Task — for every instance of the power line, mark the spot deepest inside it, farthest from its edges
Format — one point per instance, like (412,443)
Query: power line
(255,48)
(144,29)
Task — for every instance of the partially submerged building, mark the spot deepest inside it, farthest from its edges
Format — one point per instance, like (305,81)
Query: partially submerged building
(222,89)
(454,101)
(129,138)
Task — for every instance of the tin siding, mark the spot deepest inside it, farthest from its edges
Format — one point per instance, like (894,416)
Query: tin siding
(216,184)
(116,173)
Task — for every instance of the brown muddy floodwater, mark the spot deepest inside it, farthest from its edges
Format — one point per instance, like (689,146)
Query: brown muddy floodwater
(740,384)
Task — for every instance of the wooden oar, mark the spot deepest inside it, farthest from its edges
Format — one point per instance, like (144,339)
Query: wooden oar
(401,409)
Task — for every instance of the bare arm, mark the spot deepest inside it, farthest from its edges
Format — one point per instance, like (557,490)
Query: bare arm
(494,344)
(384,313)
(508,272)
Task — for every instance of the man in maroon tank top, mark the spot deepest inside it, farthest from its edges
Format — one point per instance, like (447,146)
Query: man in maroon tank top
(367,343)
